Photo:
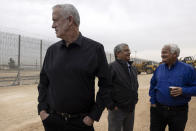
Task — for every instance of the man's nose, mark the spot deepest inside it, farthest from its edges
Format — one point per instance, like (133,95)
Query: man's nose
(53,25)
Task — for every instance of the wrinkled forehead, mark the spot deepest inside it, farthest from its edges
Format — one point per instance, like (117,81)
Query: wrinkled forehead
(55,12)
(56,9)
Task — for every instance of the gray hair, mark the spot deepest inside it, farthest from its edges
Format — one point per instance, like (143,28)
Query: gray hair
(118,48)
(173,49)
(69,10)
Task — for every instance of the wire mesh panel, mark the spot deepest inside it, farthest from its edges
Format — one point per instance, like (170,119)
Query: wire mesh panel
(8,50)
(8,58)
(21,59)
(30,53)
(29,60)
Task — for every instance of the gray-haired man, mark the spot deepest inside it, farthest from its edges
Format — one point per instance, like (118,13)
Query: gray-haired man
(66,89)
(172,85)
(124,93)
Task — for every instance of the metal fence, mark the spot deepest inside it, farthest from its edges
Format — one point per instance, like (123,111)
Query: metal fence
(21,59)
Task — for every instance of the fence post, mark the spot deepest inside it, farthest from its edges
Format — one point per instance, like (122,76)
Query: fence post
(19,51)
(18,78)
(40,54)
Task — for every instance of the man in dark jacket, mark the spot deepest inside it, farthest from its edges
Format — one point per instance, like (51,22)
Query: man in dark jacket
(66,100)
(124,93)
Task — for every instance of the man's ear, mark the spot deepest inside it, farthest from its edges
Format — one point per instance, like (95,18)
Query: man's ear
(71,20)
(117,54)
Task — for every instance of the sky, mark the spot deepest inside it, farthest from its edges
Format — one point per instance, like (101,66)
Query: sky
(145,25)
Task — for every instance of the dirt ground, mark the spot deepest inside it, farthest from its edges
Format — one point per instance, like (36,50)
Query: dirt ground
(18,109)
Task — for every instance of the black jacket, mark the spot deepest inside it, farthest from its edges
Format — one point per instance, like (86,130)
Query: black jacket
(125,85)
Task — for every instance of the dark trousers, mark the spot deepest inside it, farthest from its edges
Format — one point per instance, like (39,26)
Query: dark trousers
(119,120)
(55,122)
(160,117)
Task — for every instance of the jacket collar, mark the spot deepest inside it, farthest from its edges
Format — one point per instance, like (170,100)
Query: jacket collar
(124,62)
(77,42)
(172,66)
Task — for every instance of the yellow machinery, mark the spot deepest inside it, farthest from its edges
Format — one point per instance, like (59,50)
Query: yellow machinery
(149,67)
(189,60)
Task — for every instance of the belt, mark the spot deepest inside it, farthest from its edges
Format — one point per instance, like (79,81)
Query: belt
(69,116)
(174,108)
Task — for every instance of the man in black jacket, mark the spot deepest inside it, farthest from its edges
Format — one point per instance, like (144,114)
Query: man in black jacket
(66,100)
(124,92)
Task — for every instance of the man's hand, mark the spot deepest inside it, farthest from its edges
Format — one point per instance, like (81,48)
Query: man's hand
(88,121)
(115,108)
(176,91)
(43,115)
(153,105)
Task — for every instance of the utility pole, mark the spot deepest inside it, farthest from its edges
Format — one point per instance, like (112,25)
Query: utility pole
(135,52)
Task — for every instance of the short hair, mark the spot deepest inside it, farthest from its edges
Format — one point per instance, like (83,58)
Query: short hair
(118,48)
(173,48)
(69,10)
